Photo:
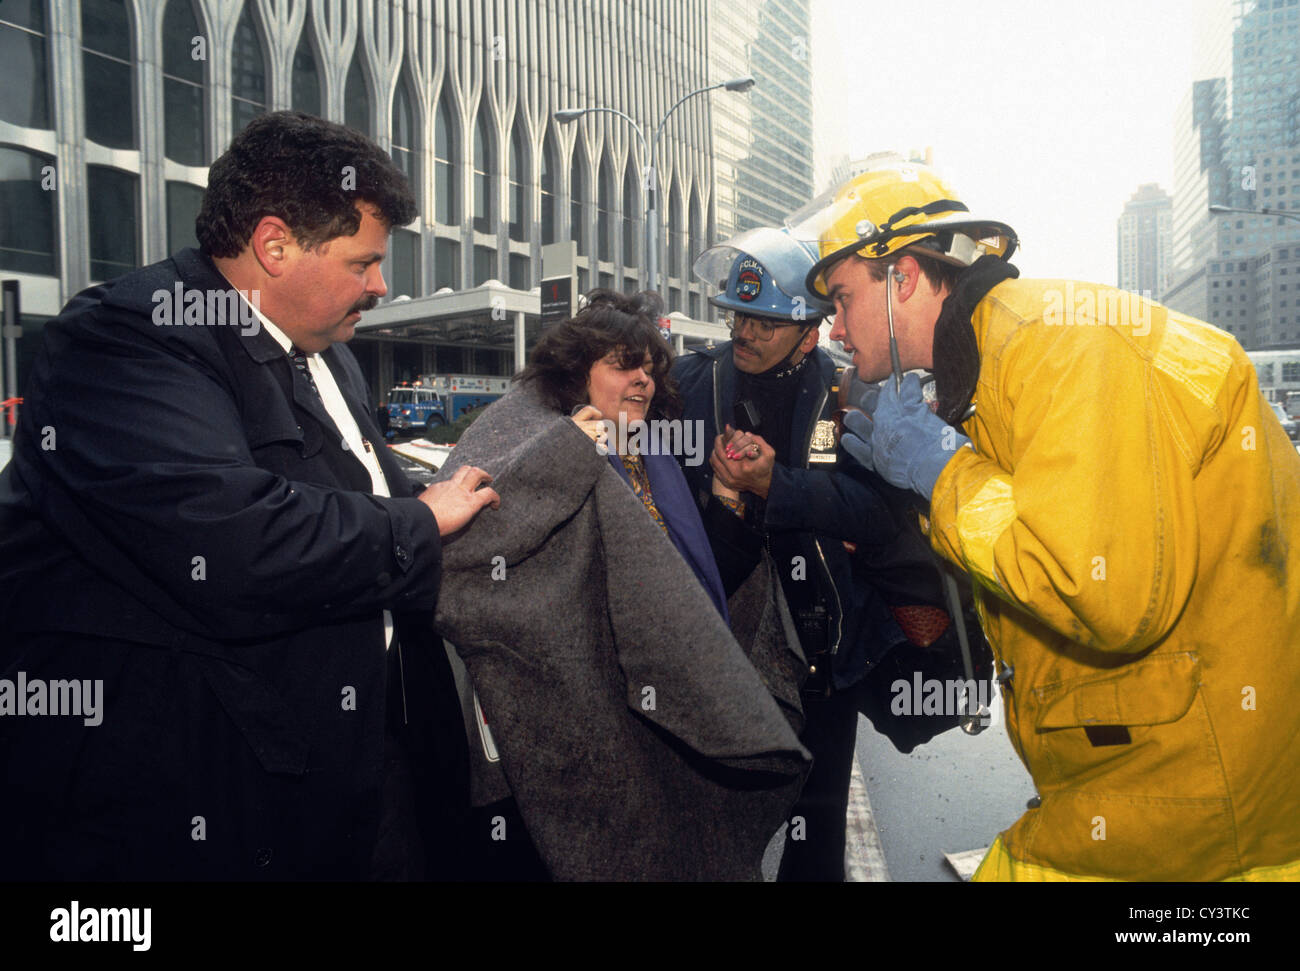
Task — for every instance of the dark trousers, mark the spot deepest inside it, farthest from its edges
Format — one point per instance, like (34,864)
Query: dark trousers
(503,850)
(830,734)
(399,850)
(166,787)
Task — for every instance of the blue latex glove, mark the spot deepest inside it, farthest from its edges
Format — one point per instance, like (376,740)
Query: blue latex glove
(863,396)
(909,443)
(857,437)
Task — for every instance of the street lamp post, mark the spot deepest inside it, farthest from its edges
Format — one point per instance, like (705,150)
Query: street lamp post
(651,214)
(566,115)
(1265,211)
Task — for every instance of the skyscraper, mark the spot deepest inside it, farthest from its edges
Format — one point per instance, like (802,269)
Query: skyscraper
(122,107)
(1265,125)
(762,148)
(1145,234)
(1238,145)
(1200,173)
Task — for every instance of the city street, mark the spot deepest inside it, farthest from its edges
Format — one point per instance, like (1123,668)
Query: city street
(952,795)
(955,793)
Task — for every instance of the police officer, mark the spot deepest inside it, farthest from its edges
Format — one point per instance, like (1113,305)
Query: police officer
(766,399)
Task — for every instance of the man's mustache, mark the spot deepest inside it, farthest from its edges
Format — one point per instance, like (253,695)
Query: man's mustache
(368,304)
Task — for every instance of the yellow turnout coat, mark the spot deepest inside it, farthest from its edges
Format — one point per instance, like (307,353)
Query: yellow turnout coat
(1130,514)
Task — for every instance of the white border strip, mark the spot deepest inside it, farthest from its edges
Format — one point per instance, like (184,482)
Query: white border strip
(864,857)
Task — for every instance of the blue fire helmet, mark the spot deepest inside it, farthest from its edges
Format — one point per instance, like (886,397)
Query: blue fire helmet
(761,273)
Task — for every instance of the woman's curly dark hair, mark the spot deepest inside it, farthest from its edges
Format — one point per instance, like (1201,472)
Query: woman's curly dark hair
(561,362)
(307,171)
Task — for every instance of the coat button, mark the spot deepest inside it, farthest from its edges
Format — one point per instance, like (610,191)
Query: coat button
(262,857)
(1034,803)
(1006,674)
(401,554)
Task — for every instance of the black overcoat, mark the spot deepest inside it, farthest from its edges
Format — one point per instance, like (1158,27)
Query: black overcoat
(182,522)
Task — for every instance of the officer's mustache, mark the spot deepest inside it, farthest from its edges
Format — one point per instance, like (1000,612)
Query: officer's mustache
(368,304)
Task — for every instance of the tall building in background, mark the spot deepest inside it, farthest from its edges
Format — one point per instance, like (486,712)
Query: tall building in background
(1238,144)
(1200,172)
(1212,50)
(842,168)
(1265,125)
(1144,238)
(112,111)
(763,147)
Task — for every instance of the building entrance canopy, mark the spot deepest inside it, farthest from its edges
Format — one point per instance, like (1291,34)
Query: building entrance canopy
(491,316)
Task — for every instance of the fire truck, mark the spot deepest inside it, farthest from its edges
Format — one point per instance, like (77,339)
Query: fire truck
(429,401)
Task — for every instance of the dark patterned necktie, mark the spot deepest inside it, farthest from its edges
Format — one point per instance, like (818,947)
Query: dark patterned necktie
(300,362)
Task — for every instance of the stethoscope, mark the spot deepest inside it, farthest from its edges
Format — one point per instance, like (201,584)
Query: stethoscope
(972,723)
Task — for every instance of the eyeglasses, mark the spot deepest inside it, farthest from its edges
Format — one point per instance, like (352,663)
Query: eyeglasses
(759,329)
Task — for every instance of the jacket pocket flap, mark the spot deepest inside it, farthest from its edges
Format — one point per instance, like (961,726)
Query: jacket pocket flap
(1152,691)
(270,726)
(278,426)
(308,437)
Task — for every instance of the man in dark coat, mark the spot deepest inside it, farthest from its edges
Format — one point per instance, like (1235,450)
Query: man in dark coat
(802,499)
(200,529)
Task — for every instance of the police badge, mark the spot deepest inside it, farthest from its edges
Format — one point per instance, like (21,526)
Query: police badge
(824,442)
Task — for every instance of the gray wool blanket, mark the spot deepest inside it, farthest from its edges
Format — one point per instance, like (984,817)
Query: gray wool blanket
(640,740)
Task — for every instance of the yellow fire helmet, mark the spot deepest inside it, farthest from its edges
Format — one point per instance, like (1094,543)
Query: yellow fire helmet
(892,205)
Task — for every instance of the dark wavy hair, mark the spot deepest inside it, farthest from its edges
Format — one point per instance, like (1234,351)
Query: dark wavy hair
(561,361)
(295,166)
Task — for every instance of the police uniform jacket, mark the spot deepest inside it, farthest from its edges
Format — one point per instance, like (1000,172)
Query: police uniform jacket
(825,502)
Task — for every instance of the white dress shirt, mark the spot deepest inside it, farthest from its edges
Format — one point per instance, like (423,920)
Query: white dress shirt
(345,425)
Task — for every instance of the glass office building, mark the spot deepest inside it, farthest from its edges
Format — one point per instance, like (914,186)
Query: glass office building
(112,110)
(1144,234)
(763,146)
(1237,144)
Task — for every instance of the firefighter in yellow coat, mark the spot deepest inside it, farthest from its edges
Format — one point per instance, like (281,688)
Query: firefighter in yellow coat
(1128,508)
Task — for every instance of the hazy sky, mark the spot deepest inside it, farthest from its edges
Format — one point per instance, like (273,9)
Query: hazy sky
(1043,113)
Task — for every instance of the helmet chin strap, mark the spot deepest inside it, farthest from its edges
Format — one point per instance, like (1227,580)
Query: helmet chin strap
(785,362)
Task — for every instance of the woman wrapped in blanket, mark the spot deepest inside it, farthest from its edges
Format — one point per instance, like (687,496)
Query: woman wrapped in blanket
(608,368)
(622,727)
